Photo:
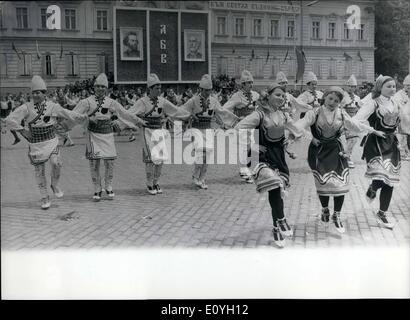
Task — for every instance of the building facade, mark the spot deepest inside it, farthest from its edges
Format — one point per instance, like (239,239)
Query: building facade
(258,36)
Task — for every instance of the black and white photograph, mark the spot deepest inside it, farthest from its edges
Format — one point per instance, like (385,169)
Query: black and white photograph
(194,43)
(205,150)
(131,44)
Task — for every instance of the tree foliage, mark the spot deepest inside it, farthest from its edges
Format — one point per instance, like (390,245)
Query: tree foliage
(392,19)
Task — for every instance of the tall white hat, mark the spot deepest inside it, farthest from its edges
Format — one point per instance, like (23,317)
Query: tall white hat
(311,77)
(406,80)
(101,80)
(37,83)
(152,80)
(352,81)
(246,76)
(281,77)
(206,82)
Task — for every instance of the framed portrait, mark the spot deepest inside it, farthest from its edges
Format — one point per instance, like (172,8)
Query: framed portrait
(131,44)
(194,45)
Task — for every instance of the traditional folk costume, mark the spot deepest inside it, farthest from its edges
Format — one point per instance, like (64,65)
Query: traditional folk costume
(402,97)
(40,119)
(242,103)
(311,97)
(103,114)
(351,104)
(292,105)
(154,111)
(271,174)
(382,154)
(326,156)
(204,110)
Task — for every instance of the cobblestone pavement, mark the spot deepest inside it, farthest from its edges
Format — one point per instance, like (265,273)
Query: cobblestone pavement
(230,214)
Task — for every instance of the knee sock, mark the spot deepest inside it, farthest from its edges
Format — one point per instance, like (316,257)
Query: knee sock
(324,201)
(276,204)
(385,197)
(338,203)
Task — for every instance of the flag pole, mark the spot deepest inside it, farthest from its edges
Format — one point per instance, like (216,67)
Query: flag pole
(294,43)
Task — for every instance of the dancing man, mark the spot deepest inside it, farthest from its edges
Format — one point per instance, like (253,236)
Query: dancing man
(103,114)
(40,117)
(155,109)
(242,103)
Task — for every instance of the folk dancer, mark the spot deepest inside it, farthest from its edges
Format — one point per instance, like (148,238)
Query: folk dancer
(402,97)
(326,154)
(204,108)
(40,117)
(271,174)
(242,103)
(103,114)
(381,153)
(311,96)
(351,104)
(155,109)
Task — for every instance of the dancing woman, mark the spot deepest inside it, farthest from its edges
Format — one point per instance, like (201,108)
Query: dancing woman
(40,117)
(326,154)
(381,151)
(271,174)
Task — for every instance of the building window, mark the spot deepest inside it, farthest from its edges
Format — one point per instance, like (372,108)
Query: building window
(239,26)
(102,20)
(49,65)
(291,29)
(72,67)
(332,69)
(317,69)
(22,18)
(275,68)
(331,30)
(315,29)
(346,32)
(239,65)
(257,27)
(362,69)
(43,14)
(24,64)
(221,25)
(221,66)
(1,18)
(102,64)
(3,65)
(70,19)
(274,28)
(360,32)
(292,68)
(348,68)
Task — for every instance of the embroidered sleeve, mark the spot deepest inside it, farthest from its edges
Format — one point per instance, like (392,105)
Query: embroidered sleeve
(252,121)
(366,110)
(137,108)
(82,107)
(13,121)
(175,112)
(225,116)
(233,102)
(355,125)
